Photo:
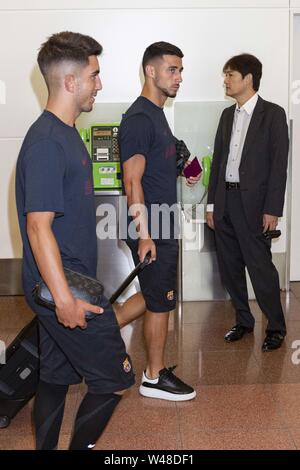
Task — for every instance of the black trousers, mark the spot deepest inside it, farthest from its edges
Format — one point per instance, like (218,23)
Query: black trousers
(237,247)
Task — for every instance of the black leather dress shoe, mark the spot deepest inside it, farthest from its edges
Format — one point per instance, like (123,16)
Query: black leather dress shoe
(273,340)
(237,332)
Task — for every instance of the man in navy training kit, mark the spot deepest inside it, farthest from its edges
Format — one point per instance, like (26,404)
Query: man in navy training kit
(57,218)
(149,172)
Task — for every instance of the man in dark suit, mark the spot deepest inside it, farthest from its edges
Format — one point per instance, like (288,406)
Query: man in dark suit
(246,197)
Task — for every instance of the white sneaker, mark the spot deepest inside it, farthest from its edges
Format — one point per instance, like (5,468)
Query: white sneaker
(166,387)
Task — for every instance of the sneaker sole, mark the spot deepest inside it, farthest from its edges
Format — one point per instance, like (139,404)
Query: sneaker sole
(156,393)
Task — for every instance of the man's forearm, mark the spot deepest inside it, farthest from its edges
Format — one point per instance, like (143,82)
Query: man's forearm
(48,259)
(137,209)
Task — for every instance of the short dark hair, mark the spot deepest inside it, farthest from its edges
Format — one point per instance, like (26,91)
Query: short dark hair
(246,63)
(74,47)
(158,49)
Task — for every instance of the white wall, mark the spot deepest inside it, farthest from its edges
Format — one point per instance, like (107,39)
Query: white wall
(207,36)
(140,4)
(295,112)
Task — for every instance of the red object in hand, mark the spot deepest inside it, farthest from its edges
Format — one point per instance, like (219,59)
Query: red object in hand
(193,169)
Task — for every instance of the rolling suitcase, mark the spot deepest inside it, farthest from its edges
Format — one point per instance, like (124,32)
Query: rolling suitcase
(20,374)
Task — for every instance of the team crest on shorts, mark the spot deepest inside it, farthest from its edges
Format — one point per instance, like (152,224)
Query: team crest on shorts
(170,295)
(127,365)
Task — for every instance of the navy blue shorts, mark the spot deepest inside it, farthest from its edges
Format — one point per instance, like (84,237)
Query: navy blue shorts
(158,281)
(96,354)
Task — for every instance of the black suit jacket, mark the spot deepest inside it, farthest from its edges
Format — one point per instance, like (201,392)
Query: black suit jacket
(263,166)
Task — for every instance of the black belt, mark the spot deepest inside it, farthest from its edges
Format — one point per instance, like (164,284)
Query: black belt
(230,185)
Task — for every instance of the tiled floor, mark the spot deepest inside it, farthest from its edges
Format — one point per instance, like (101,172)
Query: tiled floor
(246,399)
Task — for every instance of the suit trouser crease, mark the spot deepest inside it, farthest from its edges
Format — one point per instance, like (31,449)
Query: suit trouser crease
(237,247)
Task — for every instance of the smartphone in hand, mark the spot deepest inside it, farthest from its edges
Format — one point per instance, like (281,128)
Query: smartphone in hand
(269,234)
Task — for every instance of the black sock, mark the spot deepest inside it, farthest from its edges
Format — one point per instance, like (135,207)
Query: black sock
(92,417)
(48,412)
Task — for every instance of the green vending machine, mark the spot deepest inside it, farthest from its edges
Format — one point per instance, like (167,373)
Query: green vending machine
(102,143)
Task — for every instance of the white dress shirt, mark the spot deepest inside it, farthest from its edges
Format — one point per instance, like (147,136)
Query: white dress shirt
(241,121)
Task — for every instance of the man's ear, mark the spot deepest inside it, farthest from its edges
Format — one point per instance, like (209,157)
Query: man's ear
(150,70)
(249,79)
(69,82)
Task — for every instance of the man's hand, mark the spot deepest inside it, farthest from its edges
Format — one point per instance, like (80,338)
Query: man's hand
(72,314)
(146,245)
(210,220)
(192,179)
(270,222)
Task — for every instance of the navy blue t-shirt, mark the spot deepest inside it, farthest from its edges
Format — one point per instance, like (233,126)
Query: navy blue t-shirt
(54,175)
(144,130)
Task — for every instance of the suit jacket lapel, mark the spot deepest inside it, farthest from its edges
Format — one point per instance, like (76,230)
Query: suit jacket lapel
(228,128)
(253,126)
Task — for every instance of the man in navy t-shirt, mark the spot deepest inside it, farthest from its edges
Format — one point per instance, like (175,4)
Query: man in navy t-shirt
(56,211)
(149,171)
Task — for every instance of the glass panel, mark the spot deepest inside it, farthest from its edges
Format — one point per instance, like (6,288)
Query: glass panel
(102,112)
(196,123)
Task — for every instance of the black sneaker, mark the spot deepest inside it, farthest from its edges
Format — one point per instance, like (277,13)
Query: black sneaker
(166,387)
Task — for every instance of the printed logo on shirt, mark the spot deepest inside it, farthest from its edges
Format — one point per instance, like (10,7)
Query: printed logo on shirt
(170,151)
(127,365)
(88,187)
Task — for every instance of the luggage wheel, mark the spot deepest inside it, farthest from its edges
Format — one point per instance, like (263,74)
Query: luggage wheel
(4,421)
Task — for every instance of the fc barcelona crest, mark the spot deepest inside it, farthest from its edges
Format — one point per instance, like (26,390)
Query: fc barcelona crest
(170,295)
(127,365)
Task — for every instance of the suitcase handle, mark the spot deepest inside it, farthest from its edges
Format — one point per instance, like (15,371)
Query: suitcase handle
(139,267)
(146,261)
